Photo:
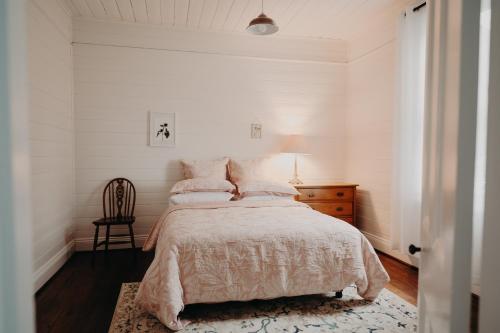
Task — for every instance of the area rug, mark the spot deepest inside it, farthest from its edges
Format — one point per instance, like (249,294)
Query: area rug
(314,313)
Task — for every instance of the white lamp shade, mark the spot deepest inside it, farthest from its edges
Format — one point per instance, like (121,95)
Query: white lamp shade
(296,144)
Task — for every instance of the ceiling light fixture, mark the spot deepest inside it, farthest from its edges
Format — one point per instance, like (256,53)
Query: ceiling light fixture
(262,25)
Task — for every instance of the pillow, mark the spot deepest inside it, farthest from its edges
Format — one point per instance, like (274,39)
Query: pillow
(216,169)
(203,185)
(267,197)
(200,197)
(264,187)
(242,170)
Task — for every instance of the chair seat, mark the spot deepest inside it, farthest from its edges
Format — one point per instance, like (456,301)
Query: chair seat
(115,220)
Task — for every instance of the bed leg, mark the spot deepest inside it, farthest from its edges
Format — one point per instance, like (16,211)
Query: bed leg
(338,294)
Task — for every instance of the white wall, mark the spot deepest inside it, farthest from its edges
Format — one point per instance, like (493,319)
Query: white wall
(342,94)
(371,108)
(122,71)
(50,74)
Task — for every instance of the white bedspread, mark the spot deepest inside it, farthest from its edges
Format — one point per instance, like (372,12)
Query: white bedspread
(252,250)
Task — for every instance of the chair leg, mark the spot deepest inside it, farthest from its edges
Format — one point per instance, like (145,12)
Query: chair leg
(131,232)
(107,238)
(96,237)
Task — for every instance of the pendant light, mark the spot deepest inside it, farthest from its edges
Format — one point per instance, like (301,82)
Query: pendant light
(262,25)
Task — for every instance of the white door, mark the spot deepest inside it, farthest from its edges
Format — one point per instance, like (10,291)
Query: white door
(448,179)
(16,278)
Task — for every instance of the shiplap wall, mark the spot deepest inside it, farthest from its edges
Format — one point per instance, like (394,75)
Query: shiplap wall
(50,72)
(371,107)
(215,96)
(217,84)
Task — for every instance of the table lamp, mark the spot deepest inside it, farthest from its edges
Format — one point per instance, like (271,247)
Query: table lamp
(295,144)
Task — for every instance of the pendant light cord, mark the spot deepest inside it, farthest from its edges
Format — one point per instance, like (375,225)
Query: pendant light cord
(262,6)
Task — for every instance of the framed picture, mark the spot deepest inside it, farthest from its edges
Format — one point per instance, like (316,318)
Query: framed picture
(161,129)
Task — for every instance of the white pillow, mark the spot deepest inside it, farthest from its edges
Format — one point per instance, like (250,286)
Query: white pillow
(200,197)
(203,185)
(264,187)
(244,170)
(216,169)
(267,197)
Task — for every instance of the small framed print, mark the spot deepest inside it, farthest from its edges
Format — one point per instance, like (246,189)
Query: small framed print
(161,129)
(256,131)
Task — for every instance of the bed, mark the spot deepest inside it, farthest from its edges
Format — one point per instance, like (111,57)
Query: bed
(244,250)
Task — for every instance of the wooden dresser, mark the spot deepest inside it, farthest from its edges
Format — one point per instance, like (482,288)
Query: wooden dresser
(337,200)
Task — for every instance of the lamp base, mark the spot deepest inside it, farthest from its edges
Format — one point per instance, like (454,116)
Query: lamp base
(295,181)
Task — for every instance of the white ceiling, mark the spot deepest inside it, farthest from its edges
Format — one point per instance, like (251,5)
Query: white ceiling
(299,18)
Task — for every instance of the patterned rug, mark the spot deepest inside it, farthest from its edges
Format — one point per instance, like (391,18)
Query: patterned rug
(315,313)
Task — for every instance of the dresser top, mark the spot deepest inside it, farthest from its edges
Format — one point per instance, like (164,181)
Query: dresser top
(326,185)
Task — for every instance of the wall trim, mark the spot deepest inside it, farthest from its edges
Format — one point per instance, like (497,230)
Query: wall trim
(51,266)
(86,243)
(187,29)
(384,245)
(221,54)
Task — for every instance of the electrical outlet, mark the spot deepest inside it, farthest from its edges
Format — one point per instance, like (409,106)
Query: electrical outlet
(256,131)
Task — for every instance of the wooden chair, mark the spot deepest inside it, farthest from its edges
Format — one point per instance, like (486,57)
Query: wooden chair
(118,202)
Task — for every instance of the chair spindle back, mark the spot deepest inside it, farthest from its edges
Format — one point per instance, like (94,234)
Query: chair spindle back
(118,198)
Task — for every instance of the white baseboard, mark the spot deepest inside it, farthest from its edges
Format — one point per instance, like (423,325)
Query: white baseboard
(86,243)
(45,272)
(476,289)
(48,269)
(384,245)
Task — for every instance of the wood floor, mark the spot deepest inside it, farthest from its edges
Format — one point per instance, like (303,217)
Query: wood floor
(82,298)
(404,278)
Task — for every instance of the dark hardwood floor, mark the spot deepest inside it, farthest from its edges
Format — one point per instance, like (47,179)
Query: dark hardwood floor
(82,298)
(404,278)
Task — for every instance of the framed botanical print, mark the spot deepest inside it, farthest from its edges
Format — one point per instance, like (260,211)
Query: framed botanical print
(161,129)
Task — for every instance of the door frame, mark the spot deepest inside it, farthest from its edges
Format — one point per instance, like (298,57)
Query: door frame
(16,277)
(490,266)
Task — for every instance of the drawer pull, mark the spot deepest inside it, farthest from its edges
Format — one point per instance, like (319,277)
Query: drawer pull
(311,195)
(339,209)
(340,194)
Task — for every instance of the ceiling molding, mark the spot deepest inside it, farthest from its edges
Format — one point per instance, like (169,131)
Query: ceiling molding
(145,36)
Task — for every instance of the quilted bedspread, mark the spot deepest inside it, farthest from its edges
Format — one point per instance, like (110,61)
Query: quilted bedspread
(252,250)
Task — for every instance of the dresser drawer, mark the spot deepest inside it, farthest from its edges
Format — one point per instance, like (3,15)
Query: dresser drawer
(332,208)
(348,219)
(313,194)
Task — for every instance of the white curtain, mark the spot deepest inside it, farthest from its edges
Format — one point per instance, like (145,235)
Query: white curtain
(408,129)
